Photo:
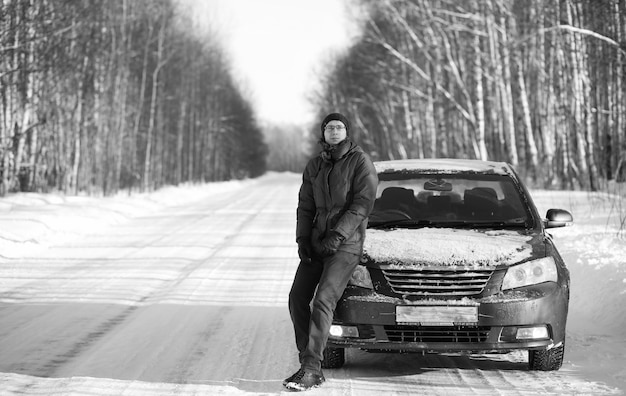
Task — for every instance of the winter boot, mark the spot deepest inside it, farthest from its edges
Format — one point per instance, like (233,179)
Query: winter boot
(303,380)
(291,377)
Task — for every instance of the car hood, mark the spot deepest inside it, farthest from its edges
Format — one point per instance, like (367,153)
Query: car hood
(451,247)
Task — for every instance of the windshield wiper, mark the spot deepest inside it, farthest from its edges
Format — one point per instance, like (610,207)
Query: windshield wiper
(498,224)
(401,222)
(447,224)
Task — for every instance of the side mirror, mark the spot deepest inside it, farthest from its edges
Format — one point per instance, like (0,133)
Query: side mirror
(558,218)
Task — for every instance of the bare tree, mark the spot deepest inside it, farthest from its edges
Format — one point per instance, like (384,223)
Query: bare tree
(536,84)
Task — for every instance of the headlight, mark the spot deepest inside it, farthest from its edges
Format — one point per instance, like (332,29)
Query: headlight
(343,331)
(361,277)
(530,273)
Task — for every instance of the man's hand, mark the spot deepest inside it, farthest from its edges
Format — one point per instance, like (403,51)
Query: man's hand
(331,243)
(304,249)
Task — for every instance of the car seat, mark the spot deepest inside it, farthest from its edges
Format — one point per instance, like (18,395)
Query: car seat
(396,198)
(481,203)
(439,204)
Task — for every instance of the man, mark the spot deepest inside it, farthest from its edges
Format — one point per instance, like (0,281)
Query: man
(336,197)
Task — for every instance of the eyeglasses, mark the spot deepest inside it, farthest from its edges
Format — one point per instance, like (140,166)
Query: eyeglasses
(331,127)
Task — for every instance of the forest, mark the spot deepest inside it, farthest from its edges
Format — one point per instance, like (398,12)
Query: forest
(539,84)
(100,96)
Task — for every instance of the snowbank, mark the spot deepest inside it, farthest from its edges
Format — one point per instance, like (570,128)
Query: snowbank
(34,221)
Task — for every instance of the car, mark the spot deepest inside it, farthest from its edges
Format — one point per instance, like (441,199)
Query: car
(456,260)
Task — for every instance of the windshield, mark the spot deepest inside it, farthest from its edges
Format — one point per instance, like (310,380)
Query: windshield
(459,200)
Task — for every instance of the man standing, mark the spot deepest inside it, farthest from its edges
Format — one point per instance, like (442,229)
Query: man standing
(336,197)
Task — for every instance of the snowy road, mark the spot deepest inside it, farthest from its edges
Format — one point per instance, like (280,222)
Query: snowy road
(191,300)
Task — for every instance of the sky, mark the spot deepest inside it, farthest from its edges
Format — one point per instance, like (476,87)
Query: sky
(278,48)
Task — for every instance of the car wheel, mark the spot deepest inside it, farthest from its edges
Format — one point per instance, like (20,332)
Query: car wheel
(549,360)
(333,357)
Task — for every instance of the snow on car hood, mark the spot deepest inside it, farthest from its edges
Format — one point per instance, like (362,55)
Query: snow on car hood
(446,247)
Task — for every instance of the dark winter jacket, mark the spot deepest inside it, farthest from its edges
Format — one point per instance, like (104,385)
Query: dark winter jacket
(337,194)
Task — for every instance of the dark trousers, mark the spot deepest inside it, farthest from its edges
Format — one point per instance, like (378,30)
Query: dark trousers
(312,322)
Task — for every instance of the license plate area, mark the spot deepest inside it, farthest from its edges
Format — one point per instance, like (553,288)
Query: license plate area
(437,315)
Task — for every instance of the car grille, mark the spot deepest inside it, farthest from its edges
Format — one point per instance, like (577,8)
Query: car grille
(436,334)
(415,282)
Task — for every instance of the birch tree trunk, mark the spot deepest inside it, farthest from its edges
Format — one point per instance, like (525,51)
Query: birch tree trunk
(577,100)
(479,92)
(147,166)
(533,156)
(619,103)
(544,91)
(508,117)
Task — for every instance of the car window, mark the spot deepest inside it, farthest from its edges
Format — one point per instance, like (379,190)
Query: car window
(449,199)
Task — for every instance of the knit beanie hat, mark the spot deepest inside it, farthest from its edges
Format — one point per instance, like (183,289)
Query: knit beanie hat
(336,117)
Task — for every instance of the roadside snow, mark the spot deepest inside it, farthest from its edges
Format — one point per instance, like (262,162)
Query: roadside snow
(594,249)
(33,221)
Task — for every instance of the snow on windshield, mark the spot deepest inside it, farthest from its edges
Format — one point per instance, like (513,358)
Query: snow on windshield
(457,247)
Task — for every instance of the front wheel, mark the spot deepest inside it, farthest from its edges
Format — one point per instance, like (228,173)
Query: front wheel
(333,358)
(549,360)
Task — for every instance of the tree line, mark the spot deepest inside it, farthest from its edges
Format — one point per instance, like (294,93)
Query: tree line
(539,84)
(98,96)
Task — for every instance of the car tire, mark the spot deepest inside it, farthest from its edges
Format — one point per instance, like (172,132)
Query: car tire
(333,358)
(549,360)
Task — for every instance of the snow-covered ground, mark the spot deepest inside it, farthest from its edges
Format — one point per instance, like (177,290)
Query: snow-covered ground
(595,250)
(30,224)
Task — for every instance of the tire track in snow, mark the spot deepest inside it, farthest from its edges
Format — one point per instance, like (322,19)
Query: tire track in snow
(80,267)
(92,337)
(70,269)
(88,341)
(242,340)
(50,364)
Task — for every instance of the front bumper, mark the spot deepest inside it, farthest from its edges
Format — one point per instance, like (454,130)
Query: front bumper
(499,317)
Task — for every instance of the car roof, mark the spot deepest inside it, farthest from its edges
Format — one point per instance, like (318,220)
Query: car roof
(443,165)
